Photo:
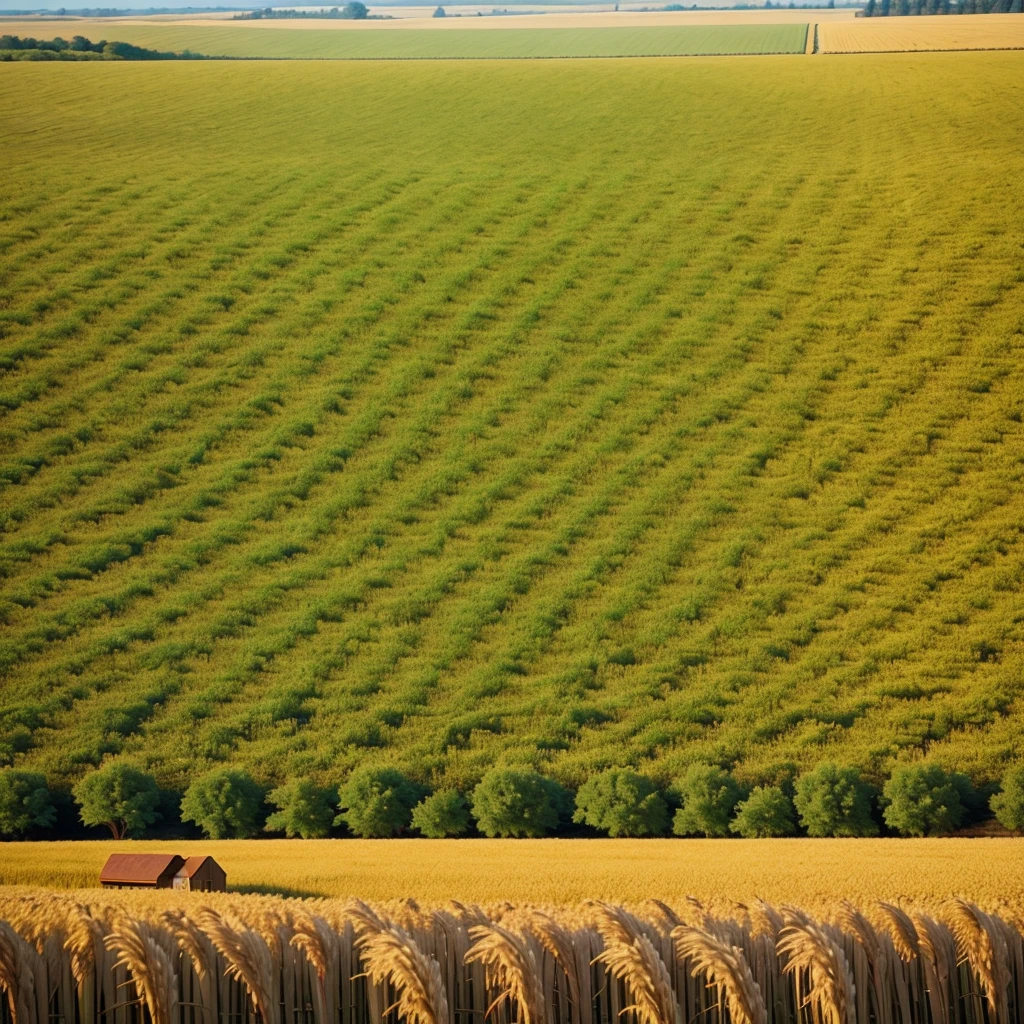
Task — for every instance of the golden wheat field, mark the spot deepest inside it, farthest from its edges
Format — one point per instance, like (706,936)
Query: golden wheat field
(811,872)
(930,32)
(125,958)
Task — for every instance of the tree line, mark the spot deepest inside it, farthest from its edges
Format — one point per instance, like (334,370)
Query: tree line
(80,48)
(354,11)
(920,799)
(902,8)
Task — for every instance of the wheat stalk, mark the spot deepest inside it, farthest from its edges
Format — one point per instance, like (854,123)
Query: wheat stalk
(511,969)
(248,957)
(139,950)
(901,930)
(727,970)
(980,942)
(807,947)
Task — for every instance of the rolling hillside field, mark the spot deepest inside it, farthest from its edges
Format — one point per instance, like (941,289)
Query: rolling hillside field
(570,413)
(227,40)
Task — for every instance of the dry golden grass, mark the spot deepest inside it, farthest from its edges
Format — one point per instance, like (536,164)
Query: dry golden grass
(814,873)
(937,32)
(311,959)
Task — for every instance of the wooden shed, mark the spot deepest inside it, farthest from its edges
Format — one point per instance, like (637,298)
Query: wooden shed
(201,874)
(140,870)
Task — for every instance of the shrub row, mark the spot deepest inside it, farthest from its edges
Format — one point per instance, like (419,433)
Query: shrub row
(917,800)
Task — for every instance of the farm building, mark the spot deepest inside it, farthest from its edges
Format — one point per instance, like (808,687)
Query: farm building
(162,871)
(201,874)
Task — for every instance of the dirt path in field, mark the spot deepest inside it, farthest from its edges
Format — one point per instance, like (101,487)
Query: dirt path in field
(812,38)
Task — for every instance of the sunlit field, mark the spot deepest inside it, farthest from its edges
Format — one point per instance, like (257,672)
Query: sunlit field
(249,40)
(936,32)
(813,873)
(625,412)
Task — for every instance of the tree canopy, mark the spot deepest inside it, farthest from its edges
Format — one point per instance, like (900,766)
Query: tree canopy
(303,809)
(224,803)
(119,796)
(24,802)
(622,803)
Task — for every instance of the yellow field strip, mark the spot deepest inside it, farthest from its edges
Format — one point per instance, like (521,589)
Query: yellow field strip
(48,27)
(937,32)
(813,873)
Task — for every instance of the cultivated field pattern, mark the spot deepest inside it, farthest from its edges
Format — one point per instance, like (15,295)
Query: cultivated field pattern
(148,957)
(415,43)
(937,32)
(581,413)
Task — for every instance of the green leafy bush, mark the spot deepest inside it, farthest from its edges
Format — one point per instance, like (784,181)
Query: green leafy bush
(924,800)
(377,802)
(708,795)
(515,803)
(304,809)
(766,814)
(444,813)
(1008,803)
(224,803)
(24,802)
(833,801)
(622,803)
(119,796)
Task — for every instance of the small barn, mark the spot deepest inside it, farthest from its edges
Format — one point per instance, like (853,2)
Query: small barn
(201,874)
(163,871)
(140,870)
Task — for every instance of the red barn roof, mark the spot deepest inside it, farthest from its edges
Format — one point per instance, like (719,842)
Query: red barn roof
(140,868)
(191,866)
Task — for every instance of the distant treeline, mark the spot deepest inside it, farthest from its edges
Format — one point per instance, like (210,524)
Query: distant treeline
(377,802)
(80,48)
(901,8)
(354,11)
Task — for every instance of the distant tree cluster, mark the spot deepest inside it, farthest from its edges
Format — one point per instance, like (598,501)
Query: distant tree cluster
(903,8)
(354,11)
(919,799)
(80,48)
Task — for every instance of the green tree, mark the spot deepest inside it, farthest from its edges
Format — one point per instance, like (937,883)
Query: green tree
(119,796)
(622,803)
(833,801)
(924,800)
(766,814)
(1008,803)
(304,809)
(377,802)
(225,804)
(515,803)
(708,796)
(444,813)
(356,11)
(24,802)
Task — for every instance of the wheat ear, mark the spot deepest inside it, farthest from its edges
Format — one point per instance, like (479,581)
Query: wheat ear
(727,970)
(510,968)
(808,947)
(139,950)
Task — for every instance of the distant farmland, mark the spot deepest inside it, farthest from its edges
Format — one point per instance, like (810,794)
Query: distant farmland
(936,32)
(572,413)
(246,41)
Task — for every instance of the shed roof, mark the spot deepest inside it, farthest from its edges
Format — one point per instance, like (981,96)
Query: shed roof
(192,865)
(139,868)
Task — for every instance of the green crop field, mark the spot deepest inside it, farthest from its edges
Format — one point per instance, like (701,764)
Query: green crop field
(245,41)
(577,413)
